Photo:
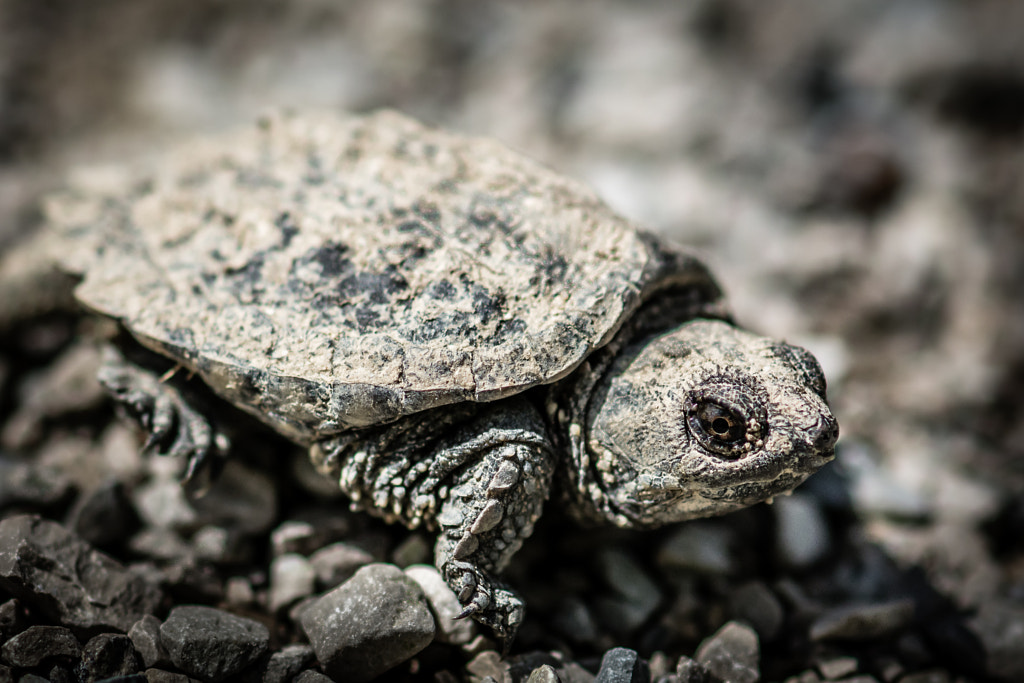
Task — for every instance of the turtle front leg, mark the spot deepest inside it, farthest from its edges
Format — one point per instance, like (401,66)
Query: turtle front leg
(176,428)
(479,474)
(490,509)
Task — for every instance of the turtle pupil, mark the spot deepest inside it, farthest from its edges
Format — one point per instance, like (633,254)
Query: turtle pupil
(720,426)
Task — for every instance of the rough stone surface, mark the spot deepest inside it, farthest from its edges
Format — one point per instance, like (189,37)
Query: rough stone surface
(211,644)
(38,644)
(65,579)
(108,656)
(732,654)
(622,665)
(164,676)
(287,663)
(12,619)
(369,624)
(145,636)
(310,676)
(545,673)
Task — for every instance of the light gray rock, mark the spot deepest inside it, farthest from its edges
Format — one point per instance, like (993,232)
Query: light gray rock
(337,562)
(802,535)
(445,605)
(292,578)
(145,636)
(733,653)
(374,621)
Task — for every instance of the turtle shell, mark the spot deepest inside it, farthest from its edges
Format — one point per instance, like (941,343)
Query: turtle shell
(326,273)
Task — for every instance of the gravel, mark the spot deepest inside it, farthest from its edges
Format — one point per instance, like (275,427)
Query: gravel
(374,621)
(211,644)
(851,171)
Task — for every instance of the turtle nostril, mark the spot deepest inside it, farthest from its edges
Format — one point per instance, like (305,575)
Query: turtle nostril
(827,435)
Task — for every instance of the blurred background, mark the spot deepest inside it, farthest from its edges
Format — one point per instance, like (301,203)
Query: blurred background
(853,170)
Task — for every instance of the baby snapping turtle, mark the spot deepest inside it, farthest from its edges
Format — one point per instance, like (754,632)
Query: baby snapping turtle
(452,330)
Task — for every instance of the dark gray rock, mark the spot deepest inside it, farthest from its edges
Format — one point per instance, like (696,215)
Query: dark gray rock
(369,624)
(622,665)
(1000,628)
(863,622)
(128,678)
(162,676)
(103,516)
(108,655)
(38,644)
(287,663)
(212,644)
(6,675)
(310,676)
(636,597)
(64,579)
(12,619)
(757,605)
(32,678)
(732,654)
(145,636)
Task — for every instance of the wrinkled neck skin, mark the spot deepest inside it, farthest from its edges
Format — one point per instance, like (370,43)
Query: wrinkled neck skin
(630,422)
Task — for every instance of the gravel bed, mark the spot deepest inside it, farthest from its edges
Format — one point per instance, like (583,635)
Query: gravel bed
(853,172)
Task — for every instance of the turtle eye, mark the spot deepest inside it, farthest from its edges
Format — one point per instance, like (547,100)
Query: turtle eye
(720,428)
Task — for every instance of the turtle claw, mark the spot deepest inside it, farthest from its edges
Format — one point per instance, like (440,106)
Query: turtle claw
(175,428)
(486,601)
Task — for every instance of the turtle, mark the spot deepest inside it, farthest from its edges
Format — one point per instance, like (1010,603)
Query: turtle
(454,331)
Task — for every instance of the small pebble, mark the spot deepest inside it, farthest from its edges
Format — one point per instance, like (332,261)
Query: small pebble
(802,535)
(145,636)
(38,644)
(285,664)
(691,671)
(637,595)
(310,676)
(732,654)
(700,548)
(164,676)
(103,516)
(837,667)
(545,673)
(374,621)
(863,622)
(337,562)
(757,605)
(622,665)
(445,605)
(212,644)
(107,656)
(292,578)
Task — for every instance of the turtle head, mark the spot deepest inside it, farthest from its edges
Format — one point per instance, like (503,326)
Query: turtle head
(702,420)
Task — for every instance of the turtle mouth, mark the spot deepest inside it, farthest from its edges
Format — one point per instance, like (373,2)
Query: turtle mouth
(751,492)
